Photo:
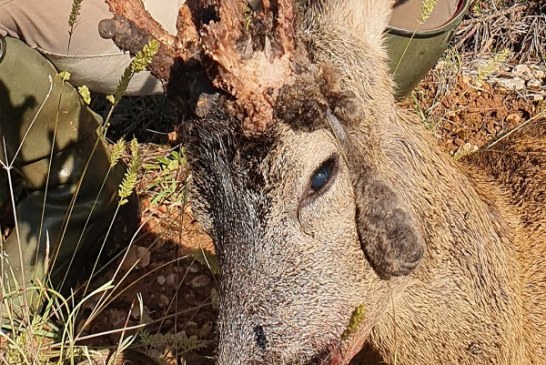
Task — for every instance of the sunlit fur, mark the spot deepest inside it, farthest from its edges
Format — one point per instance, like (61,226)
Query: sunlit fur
(293,262)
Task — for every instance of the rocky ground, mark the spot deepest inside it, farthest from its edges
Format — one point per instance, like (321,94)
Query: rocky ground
(485,99)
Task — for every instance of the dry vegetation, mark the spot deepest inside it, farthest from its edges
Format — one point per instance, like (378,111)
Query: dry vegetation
(491,81)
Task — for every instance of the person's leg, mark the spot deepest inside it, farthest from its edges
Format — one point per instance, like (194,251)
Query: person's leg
(414,46)
(51,140)
(92,61)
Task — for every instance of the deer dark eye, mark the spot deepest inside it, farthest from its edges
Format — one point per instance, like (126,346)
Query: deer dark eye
(323,174)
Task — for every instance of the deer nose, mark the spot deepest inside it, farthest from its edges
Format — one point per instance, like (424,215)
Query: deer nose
(260,338)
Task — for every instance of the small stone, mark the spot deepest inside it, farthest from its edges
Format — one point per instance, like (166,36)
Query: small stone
(163,300)
(161,280)
(172,280)
(513,118)
(534,84)
(523,71)
(193,268)
(135,312)
(144,255)
(539,74)
(137,256)
(142,317)
(490,127)
(200,281)
(514,84)
(538,97)
(146,318)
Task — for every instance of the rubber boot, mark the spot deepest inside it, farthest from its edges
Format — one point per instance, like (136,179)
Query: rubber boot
(61,217)
(413,52)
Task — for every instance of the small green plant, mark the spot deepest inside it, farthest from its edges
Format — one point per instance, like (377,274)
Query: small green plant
(73,19)
(427,8)
(49,337)
(85,94)
(131,175)
(138,64)
(476,10)
(167,186)
(493,64)
(356,320)
(179,342)
(416,97)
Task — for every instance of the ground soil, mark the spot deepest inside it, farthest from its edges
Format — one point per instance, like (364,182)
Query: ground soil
(169,272)
(470,115)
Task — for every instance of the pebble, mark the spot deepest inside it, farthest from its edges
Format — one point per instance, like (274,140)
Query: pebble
(534,84)
(200,281)
(137,255)
(513,118)
(511,84)
(522,78)
(193,268)
(539,74)
(523,71)
(172,280)
(164,300)
(135,312)
(161,279)
(143,317)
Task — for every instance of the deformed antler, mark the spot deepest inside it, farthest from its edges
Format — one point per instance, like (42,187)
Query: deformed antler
(246,47)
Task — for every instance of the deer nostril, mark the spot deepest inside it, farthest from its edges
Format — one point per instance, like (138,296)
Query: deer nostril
(259,336)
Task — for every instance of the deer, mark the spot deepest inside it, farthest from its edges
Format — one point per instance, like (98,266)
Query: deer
(347,202)
(343,231)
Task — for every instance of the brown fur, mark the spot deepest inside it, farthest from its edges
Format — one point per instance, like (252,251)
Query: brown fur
(485,232)
(296,263)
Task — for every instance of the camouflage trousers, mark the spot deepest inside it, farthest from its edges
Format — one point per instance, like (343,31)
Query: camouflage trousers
(61,181)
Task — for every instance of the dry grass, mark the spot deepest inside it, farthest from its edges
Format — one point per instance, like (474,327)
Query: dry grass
(493,25)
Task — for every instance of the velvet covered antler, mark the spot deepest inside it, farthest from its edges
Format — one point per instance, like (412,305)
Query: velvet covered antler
(247,48)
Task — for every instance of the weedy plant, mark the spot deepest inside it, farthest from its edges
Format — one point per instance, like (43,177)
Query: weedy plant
(167,186)
(47,328)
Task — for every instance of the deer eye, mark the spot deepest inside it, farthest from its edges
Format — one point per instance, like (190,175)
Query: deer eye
(323,174)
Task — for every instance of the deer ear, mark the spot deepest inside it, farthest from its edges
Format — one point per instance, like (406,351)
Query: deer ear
(388,234)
